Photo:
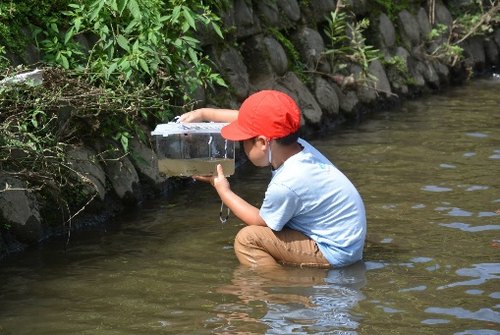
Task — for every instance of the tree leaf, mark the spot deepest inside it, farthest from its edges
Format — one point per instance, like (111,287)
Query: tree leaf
(122,41)
(122,4)
(193,55)
(144,65)
(135,47)
(77,23)
(112,68)
(176,13)
(53,26)
(124,141)
(69,34)
(98,4)
(64,62)
(113,5)
(186,12)
(217,29)
(134,9)
(131,26)
(124,64)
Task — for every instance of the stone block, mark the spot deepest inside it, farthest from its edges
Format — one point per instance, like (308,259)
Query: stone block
(19,209)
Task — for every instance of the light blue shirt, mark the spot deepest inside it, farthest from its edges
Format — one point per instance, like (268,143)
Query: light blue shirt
(309,194)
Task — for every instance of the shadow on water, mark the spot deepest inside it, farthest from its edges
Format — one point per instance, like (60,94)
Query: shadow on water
(428,173)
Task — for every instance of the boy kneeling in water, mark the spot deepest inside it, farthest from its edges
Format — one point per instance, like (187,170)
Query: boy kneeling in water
(312,215)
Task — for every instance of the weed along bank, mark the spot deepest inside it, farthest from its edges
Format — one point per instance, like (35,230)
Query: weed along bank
(75,134)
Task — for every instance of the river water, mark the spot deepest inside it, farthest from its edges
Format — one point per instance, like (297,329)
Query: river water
(429,173)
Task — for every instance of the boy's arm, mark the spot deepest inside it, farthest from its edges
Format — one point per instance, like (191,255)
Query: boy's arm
(241,208)
(210,115)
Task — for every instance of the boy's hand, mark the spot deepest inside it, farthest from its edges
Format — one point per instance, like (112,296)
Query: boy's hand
(242,209)
(193,116)
(218,181)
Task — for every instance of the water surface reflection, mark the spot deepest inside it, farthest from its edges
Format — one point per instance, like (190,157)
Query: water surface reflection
(428,173)
(294,300)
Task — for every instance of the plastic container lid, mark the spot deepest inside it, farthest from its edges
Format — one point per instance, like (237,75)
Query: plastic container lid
(175,128)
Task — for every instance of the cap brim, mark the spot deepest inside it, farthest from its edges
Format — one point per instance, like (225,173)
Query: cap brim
(233,132)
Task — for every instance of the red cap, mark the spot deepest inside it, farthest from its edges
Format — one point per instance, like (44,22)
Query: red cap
(272,114)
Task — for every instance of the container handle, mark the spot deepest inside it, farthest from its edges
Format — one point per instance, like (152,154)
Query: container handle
(222,220)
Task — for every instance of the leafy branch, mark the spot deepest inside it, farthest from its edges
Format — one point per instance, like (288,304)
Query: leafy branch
(347,44)
(484,23)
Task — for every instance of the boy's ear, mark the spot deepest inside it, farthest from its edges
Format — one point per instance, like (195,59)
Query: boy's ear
(261,139)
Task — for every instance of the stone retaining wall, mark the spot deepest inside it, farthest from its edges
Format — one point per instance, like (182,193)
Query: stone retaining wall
(259,61)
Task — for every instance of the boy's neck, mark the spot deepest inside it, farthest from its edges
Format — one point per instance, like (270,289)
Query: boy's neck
(281,153)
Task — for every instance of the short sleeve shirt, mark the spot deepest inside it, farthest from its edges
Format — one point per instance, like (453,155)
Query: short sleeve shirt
(309,194)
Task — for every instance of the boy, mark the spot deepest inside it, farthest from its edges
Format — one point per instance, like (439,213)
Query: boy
(312,215)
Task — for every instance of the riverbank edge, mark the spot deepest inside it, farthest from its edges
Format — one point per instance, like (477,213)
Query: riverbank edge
(260,61)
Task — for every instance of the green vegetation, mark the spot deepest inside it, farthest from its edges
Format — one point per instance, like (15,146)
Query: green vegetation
(292,54)
(347,44)
(338,49)
(448,53)
(476,18)
(400,66)
(17,15)
(472,19)
(142,67)
(392,8)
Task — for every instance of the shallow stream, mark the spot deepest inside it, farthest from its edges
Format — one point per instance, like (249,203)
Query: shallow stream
(429,173)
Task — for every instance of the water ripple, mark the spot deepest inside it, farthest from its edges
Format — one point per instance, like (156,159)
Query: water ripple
(496,154)
(479,332)
(467,227)
(422,259)
(495,295)
(435,321)
(483,272)
(476,187)
(454,211)
(434,188)
(477,135)
(418,288)
(484,314)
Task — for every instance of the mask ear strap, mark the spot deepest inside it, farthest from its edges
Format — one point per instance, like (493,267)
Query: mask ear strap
(269,152)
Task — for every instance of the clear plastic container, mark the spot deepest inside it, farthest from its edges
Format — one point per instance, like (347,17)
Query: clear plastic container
(193,149)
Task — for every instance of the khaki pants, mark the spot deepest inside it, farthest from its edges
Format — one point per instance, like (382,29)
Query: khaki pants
(262,246)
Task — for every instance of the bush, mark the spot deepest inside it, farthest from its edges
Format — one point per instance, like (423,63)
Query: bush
(144,61)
